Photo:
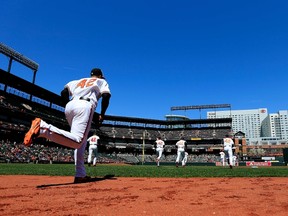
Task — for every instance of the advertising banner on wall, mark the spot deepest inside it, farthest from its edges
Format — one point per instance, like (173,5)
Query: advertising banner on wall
(252,163)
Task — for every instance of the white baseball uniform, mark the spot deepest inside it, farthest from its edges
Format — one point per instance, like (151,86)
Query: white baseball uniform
(234,160)
(93,149)
(159,149)
(184,161)
(228,143)
(79,112)
(180,150)
(222,157)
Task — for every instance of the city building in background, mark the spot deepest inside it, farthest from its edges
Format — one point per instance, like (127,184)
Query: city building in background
(276,125)
(247,121)
(259,127)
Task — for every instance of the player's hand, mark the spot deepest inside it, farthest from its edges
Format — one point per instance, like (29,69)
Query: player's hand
(101,119)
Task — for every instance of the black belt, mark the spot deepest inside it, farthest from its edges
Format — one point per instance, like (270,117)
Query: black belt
(82,98)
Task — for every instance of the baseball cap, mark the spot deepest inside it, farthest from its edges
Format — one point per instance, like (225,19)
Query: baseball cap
(97,72)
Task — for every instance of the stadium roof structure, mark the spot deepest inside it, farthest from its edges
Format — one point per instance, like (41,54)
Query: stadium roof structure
(26,87)
(153,123)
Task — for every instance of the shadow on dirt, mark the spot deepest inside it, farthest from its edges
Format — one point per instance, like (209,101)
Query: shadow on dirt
(96,179)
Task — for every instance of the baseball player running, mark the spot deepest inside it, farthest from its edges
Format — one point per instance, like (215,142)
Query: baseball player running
(180,150)
(222,158)
(159,149)
(228,143)
(93,149)
(234,159)
(82,97)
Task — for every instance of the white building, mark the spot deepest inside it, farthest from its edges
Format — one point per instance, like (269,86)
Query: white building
(276,125)
(246,121)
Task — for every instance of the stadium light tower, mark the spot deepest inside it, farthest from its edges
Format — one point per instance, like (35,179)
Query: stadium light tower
(212,106)
(14,55)
(200,107)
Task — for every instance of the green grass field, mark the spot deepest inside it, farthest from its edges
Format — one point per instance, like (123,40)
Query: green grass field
(143,171)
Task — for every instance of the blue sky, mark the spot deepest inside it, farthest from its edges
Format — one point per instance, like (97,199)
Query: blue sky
(156,54)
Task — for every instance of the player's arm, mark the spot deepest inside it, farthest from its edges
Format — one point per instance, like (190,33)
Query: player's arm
(65,95)
(104,105)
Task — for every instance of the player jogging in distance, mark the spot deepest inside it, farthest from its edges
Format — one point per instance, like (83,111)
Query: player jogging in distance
(180,150)
(159,149)
(228,143)
(234,160)
(222,158)
(93,149)
(82,97)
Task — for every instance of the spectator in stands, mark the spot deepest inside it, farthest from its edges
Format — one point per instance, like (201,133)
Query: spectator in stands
(79,111)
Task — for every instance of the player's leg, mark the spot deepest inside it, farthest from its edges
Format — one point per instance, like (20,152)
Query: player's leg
(183,158)
(157,154)
(79,116)
(178,158)
(226,157)
(90,156)
(95,152)
(159,157)
(184,161)
(75,157)
(160,154)
(80,168)
(81,124)
(230,154)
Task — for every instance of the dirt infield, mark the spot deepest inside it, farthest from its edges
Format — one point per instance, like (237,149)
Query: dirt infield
(44,195)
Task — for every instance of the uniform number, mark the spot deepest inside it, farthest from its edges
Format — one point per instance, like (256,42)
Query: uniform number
(86,83)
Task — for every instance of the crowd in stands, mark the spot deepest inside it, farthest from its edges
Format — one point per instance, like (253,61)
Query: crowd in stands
(260,152)
(19,106)
(17,152)
(152,134)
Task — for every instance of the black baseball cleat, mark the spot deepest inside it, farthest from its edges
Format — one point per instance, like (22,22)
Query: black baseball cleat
(82,179)
(231,166)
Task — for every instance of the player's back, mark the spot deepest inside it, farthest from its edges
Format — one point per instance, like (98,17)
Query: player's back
(181,144)
(88,88)
(228,142)
(160,143)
